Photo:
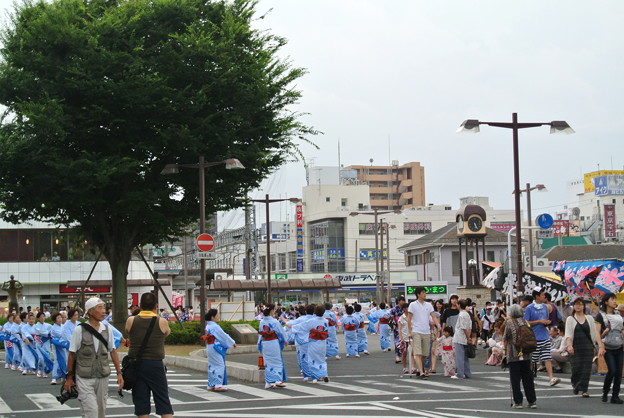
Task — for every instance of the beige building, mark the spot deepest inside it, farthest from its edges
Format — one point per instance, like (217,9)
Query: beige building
(393,186)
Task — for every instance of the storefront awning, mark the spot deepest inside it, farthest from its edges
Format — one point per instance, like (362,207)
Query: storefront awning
(287,284)
(131,283)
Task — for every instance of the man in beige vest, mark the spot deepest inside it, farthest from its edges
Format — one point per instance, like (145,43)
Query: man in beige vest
(87,364)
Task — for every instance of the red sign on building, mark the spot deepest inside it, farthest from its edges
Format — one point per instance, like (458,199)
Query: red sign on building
(299,216)
(561,228)
(89,289)
(609,221)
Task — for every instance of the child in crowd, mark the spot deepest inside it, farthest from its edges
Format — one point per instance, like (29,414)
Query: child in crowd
(404,338)
(497,349)
(445,348)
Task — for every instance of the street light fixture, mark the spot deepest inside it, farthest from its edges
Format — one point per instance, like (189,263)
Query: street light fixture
(528,190)
(557,126)
(266,202)
(230,164)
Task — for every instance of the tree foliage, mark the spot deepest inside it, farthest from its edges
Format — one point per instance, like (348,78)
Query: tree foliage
(101,94)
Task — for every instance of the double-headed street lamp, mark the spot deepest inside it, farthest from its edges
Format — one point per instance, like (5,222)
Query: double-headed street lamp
(230,164)
(266,202)
(557,126)
(376,213)
(528,190)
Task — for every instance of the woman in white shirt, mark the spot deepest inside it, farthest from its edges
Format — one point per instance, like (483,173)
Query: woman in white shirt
(461,339)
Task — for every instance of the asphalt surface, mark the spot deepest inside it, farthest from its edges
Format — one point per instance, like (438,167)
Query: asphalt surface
(369,386)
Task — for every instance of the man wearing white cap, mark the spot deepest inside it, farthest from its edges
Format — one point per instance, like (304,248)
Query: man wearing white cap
(87,364)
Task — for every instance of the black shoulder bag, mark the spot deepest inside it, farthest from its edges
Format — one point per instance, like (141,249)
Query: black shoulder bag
(130,365)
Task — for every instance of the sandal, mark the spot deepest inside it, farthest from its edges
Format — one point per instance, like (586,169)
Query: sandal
(585,395)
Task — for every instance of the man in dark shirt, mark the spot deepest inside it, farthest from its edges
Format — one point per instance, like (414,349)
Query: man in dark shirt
(396,313)
(449,316)
(151,373)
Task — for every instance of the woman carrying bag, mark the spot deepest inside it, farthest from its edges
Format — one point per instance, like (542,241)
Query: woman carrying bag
(581,337)
(609,328)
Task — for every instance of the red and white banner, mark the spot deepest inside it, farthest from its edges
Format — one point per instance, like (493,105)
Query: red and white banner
(90,289)
(609,221)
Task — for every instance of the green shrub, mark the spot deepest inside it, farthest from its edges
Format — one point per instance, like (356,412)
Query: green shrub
(192,332)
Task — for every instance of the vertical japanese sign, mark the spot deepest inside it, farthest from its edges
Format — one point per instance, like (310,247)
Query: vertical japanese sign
(299,215)
(609,221)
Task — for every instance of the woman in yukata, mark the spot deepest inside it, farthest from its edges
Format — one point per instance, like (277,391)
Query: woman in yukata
(350,324)
(8,345)
(316,329)
(361,331)
(42,343)
(383,315)
(217,344)
(16,340)
(332,339)
(30,359)
(60,348)
(271,342)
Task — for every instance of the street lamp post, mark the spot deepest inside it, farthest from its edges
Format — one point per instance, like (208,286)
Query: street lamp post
(528,191)
(472,125)
(266,202)
(230,164)
(376,213)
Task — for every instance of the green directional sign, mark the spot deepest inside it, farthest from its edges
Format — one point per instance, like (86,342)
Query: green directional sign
(430,290)
(281,276)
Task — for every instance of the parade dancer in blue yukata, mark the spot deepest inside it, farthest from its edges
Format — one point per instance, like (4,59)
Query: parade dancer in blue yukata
(8,345)
(42,343)
(383,315)
(16,340)
(271,342)
(71,323)
(361,331)
(372,319)
(60,348)
(332,339)
(301,341)
(30,359)
(217,344)
(117,336)
(350,325)
(316,329)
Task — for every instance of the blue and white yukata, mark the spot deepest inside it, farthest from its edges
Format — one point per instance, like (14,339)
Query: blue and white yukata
(16,340)
(332,339)
(116,334)
(8,345)
(60,347)
(384,329)
(271,341)
(316,330)
(301,344)
(372,321)
(217,344)
(350,325)
(361,333)
(42,342)
(30,358)
(68,328)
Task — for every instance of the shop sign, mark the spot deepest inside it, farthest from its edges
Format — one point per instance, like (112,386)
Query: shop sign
(609,221)
(91,289)
(350,279)
(430,290)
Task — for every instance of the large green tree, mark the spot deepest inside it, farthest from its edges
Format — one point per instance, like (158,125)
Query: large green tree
(101,94)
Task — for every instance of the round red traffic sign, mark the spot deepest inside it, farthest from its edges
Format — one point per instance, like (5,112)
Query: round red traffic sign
(205,242)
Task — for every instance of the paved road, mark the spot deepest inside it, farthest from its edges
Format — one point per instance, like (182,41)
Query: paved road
(368,387)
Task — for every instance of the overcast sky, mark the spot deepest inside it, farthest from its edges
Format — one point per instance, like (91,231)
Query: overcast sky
(393,80)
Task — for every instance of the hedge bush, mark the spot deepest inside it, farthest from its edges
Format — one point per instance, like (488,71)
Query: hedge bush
(192,332)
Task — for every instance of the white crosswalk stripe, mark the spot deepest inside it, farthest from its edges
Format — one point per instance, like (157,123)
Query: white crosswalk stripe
(4,408)
(259,392)
(310,389)
(46,401)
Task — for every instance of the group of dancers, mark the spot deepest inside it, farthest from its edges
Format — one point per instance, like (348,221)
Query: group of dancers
(314,336)
(36,347)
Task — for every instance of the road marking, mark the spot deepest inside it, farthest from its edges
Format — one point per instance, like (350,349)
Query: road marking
(409,411)
(114,402)
(203,393)
(4,407)
(446,386)
(312,390)
(46,401)
(333,407)
(261,393)
(358,389)
(523,412)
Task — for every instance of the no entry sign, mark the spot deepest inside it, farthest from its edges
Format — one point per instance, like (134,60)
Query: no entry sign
(205,242)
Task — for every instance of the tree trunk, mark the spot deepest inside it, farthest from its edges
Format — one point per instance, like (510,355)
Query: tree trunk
(119,261)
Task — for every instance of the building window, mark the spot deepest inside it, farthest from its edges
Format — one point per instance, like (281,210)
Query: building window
(367,229)
(292,261)
(343,202)
(263,263)
(455,262)
(327,199)
(282,261)
(489,256)
(416,228)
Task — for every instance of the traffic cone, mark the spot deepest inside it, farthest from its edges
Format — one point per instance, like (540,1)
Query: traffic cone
(260,362)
